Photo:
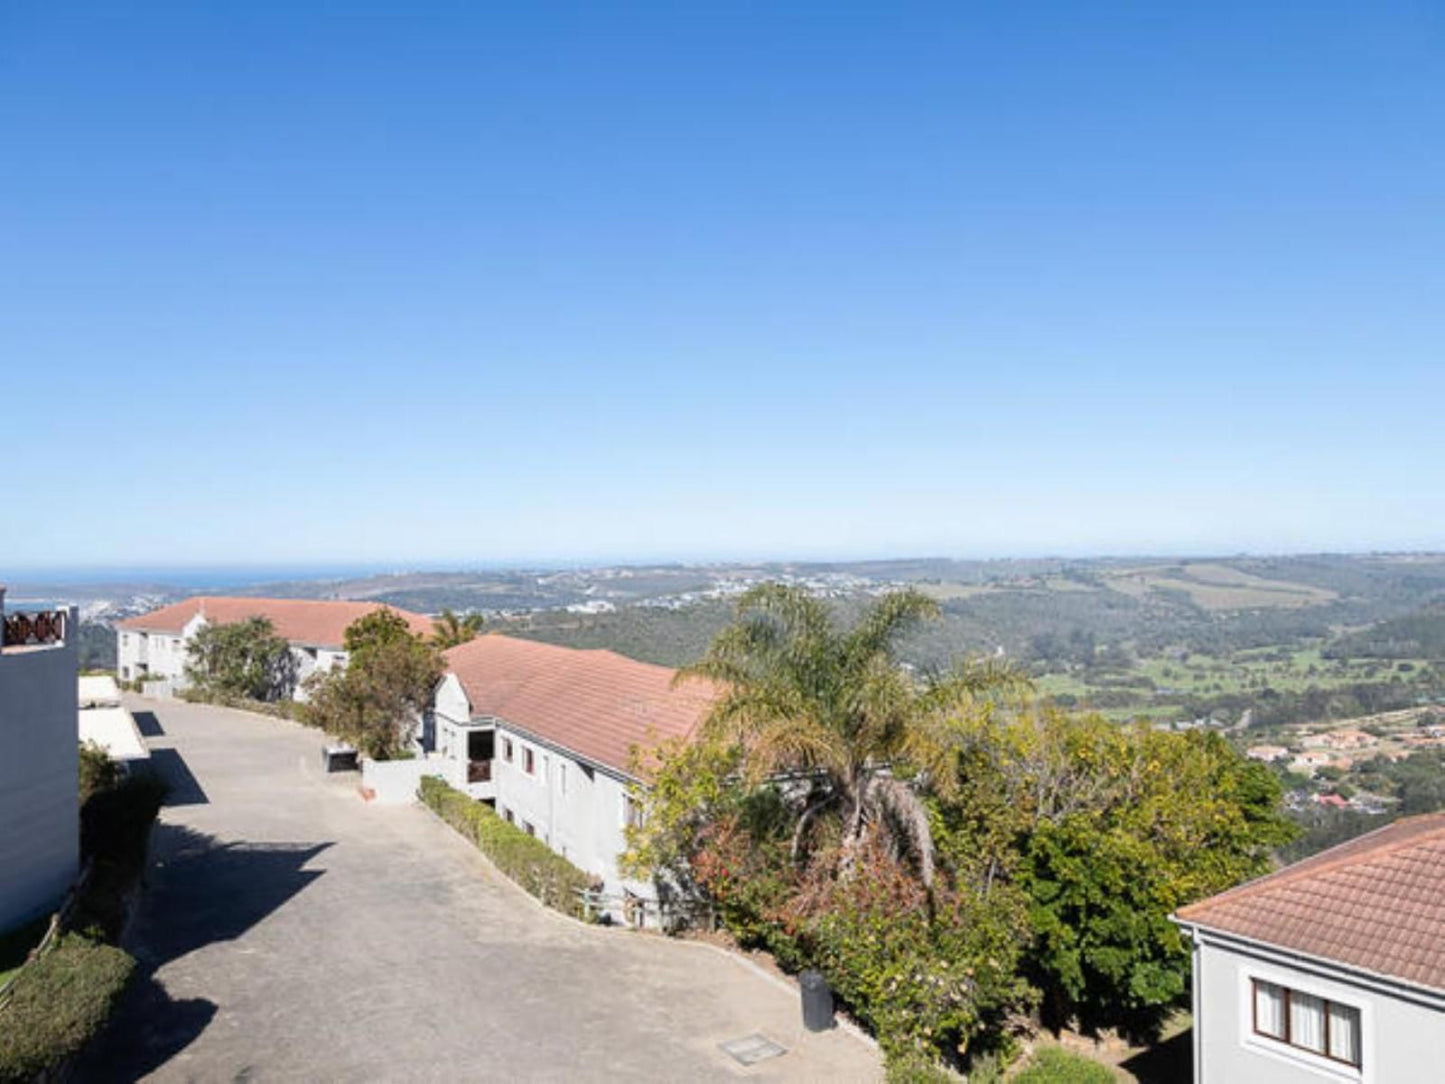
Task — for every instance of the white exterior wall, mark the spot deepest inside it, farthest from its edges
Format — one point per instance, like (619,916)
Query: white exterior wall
(444,737)
(1402,1033)
(163,654)
(576,808)
(39,776)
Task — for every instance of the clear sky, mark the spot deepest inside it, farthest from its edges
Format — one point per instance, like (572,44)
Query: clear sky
(289,282)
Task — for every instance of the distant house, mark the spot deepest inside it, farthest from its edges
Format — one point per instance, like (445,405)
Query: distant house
(1349,739)
(39,754)
(1310,760)
(156,645)
(1266,753)
(1332,969)
(1333,801)
(545,734)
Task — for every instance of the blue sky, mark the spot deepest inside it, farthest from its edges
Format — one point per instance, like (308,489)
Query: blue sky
(462,283)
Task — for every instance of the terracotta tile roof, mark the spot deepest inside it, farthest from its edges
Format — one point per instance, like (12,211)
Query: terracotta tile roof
(597,704)
(1375,903)
(303,621)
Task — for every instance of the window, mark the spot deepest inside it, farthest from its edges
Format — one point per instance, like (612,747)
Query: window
(529,761)
(631,811)
(562,777)
(507,815)
(1308,1022)
(527,827)
(507,750)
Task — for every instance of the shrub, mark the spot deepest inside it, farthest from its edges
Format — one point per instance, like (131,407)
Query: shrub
(925,975)
(58,1003)
(115,826)
(525,859)
(97,770)
(919,1068)
(1055,1065)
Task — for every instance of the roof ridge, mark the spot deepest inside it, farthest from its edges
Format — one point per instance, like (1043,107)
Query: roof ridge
(1321,865)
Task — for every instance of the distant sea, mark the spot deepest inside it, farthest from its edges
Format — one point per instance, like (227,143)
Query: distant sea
(222,576)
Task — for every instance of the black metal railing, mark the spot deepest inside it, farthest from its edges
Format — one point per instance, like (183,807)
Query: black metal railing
(41,627)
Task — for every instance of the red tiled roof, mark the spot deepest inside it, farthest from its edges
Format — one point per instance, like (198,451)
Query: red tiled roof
(304,621)
(1376,903)
(594,703)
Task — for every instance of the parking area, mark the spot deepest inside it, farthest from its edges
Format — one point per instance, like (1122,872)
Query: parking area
(293,932)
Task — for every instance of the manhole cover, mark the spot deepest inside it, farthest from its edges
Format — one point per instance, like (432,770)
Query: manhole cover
(751,1049)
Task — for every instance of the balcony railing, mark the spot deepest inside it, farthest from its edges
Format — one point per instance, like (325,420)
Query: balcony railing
(479,771)
(41,627)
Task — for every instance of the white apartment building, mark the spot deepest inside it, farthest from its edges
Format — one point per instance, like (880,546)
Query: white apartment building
(545,735)
(156,645)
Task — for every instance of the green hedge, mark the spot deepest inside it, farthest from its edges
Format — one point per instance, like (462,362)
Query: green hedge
(115,828)
(58,1003)
(291,710)
(525,859)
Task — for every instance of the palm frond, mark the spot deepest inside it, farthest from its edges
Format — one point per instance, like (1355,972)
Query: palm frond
(899,809)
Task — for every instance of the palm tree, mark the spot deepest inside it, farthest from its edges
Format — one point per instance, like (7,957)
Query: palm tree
(804,699)
(449,630)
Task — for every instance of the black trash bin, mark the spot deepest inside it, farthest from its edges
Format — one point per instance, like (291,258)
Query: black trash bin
(817,1001)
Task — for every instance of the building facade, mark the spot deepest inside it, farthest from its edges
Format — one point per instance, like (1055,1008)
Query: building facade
(546,736)
(39,761)
(1329,970)
(156,646)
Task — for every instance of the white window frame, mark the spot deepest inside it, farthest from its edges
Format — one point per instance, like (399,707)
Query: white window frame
(1305,983)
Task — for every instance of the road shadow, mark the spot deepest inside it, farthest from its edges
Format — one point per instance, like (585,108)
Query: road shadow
(204,891)
(183,787)
(148,1030)
(1169,1062)
(201,891)
(147,723)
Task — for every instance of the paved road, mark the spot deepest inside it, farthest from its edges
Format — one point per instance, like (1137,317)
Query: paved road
(293,932)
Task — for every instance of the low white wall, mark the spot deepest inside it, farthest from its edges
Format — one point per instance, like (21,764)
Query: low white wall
(164,689)
(395,782)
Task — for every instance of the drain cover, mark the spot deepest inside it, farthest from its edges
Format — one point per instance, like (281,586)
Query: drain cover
(751,1049)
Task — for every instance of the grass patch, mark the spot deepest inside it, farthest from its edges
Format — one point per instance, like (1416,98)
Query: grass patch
(1055,1065)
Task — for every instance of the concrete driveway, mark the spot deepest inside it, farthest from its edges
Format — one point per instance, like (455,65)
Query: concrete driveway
(293,932)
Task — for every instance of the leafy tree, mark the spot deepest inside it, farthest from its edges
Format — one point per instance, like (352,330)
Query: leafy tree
(378,628)
(388,681)
(451,629)
(1115,828)
(800,696)
(244,659)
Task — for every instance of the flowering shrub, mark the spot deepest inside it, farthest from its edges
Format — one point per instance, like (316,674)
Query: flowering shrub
(923,970)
